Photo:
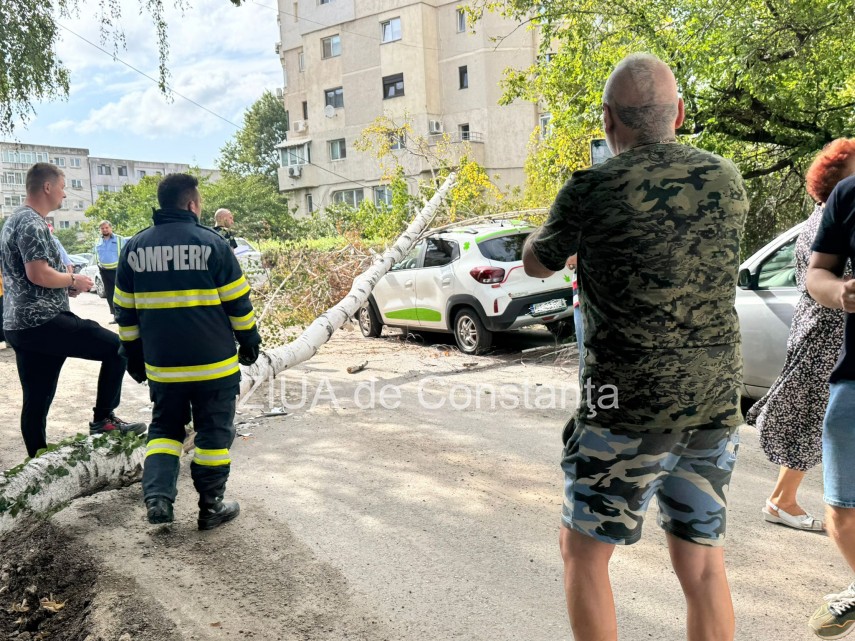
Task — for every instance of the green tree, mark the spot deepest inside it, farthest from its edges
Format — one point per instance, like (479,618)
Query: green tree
(259,210)
(253,150)
(765,82)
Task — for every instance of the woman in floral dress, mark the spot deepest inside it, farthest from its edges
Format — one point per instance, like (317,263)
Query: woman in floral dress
(789,418)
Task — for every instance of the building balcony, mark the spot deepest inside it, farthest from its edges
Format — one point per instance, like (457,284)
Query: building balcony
(299,177)
(457,137)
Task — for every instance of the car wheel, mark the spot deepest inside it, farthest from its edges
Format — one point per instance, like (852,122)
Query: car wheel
(99,287)
(470,334)
(563,329)
(368,322)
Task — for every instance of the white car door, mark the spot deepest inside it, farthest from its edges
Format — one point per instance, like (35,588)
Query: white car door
(765,311)
(435,282)
(395,294)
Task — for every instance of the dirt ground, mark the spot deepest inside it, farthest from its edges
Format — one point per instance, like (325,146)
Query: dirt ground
(430,512)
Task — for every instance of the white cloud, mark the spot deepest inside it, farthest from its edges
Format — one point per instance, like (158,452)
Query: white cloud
(61,125)
(221,56)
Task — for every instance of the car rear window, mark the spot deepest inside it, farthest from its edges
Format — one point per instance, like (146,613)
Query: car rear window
(504,249)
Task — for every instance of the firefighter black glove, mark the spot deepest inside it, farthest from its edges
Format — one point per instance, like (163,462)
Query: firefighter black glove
(136,365)
(248,354)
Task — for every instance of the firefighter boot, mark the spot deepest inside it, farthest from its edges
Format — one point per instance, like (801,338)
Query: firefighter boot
(159,510)
(213,511)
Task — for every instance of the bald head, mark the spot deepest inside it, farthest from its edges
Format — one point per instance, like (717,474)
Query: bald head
(641,95)
(223,218)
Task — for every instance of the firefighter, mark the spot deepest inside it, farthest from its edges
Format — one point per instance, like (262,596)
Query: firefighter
(181,302)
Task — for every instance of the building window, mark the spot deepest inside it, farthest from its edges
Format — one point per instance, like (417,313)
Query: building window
(296,155)
(123,171)
(383,196)
(338,150)
(393,86)
(391,30)
(105,170)
(13,201)
(64,224)
(310,203)
(463,130)
(76,183)
(351,197)
(461,20)
(140,173)
(397,140)
(331,47)
(305,110)
(463,76)
(334,97)
(58,161)
(545,125)
(324,1)
(301,61)
(74,162)
(14,177)
(78,205)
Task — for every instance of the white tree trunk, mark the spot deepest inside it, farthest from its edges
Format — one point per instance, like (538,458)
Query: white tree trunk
(46,484)
(272,362)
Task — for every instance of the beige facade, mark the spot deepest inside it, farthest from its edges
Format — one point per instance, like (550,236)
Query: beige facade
(408,60)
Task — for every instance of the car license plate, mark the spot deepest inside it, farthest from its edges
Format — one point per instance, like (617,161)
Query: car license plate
(555,305)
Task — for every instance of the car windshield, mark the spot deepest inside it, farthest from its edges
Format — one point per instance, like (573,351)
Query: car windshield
(505,249)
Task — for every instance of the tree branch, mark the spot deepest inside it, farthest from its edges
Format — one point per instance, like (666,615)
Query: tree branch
(778,166)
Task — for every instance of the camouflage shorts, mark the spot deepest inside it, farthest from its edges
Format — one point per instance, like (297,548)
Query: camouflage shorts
(610,478)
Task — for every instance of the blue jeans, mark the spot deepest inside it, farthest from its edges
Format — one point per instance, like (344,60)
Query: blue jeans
(838,446)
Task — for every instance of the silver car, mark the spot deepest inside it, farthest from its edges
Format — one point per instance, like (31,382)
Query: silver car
(765,299)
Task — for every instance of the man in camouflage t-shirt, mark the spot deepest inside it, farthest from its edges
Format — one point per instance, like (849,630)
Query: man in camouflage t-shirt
(657,230)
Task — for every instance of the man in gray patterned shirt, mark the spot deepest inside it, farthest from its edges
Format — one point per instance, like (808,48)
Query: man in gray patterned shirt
(38,322)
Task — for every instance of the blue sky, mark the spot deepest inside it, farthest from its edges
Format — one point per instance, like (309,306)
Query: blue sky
(221,56)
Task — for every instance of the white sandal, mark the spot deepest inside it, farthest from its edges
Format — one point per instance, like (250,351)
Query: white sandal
(773,514)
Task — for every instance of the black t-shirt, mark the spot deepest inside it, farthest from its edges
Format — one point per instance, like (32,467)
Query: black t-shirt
(836,235)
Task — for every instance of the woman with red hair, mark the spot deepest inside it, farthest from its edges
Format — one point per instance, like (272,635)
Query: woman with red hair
(789,418)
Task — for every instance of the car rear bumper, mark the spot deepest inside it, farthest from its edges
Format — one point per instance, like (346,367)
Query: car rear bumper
(517,314)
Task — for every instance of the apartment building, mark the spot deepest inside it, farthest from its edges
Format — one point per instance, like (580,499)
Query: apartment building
(345,63)
(111,174)
(86,177)
(16,159)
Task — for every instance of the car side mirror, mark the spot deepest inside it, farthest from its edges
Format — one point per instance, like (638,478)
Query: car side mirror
(747,280)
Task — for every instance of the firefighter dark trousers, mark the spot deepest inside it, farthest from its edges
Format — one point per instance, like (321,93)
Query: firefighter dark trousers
(213,413)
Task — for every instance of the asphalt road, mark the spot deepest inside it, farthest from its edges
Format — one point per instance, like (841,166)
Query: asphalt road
(432,517)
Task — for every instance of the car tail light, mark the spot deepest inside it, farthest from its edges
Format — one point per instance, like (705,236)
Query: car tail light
(487,275)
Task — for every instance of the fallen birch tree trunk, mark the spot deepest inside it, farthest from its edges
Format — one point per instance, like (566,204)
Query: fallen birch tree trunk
(86,465)
(277,360)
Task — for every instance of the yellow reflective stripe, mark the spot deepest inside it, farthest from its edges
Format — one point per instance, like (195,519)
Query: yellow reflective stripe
(163,446)
(189,373)
(129,332)
(123,299)
(176,298)
(211,457)
(233,290)
(243,322)
(109,265)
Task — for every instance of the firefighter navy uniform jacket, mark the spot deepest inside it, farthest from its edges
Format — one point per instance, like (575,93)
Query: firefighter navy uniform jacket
(182,293)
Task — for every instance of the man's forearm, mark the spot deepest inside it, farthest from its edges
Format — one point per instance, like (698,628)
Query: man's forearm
(531,263)
(47,276)
(824,287)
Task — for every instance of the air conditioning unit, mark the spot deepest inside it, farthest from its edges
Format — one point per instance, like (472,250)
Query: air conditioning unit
(279,93)
(434,127)
(295,172)
(278,48)
(300,126)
